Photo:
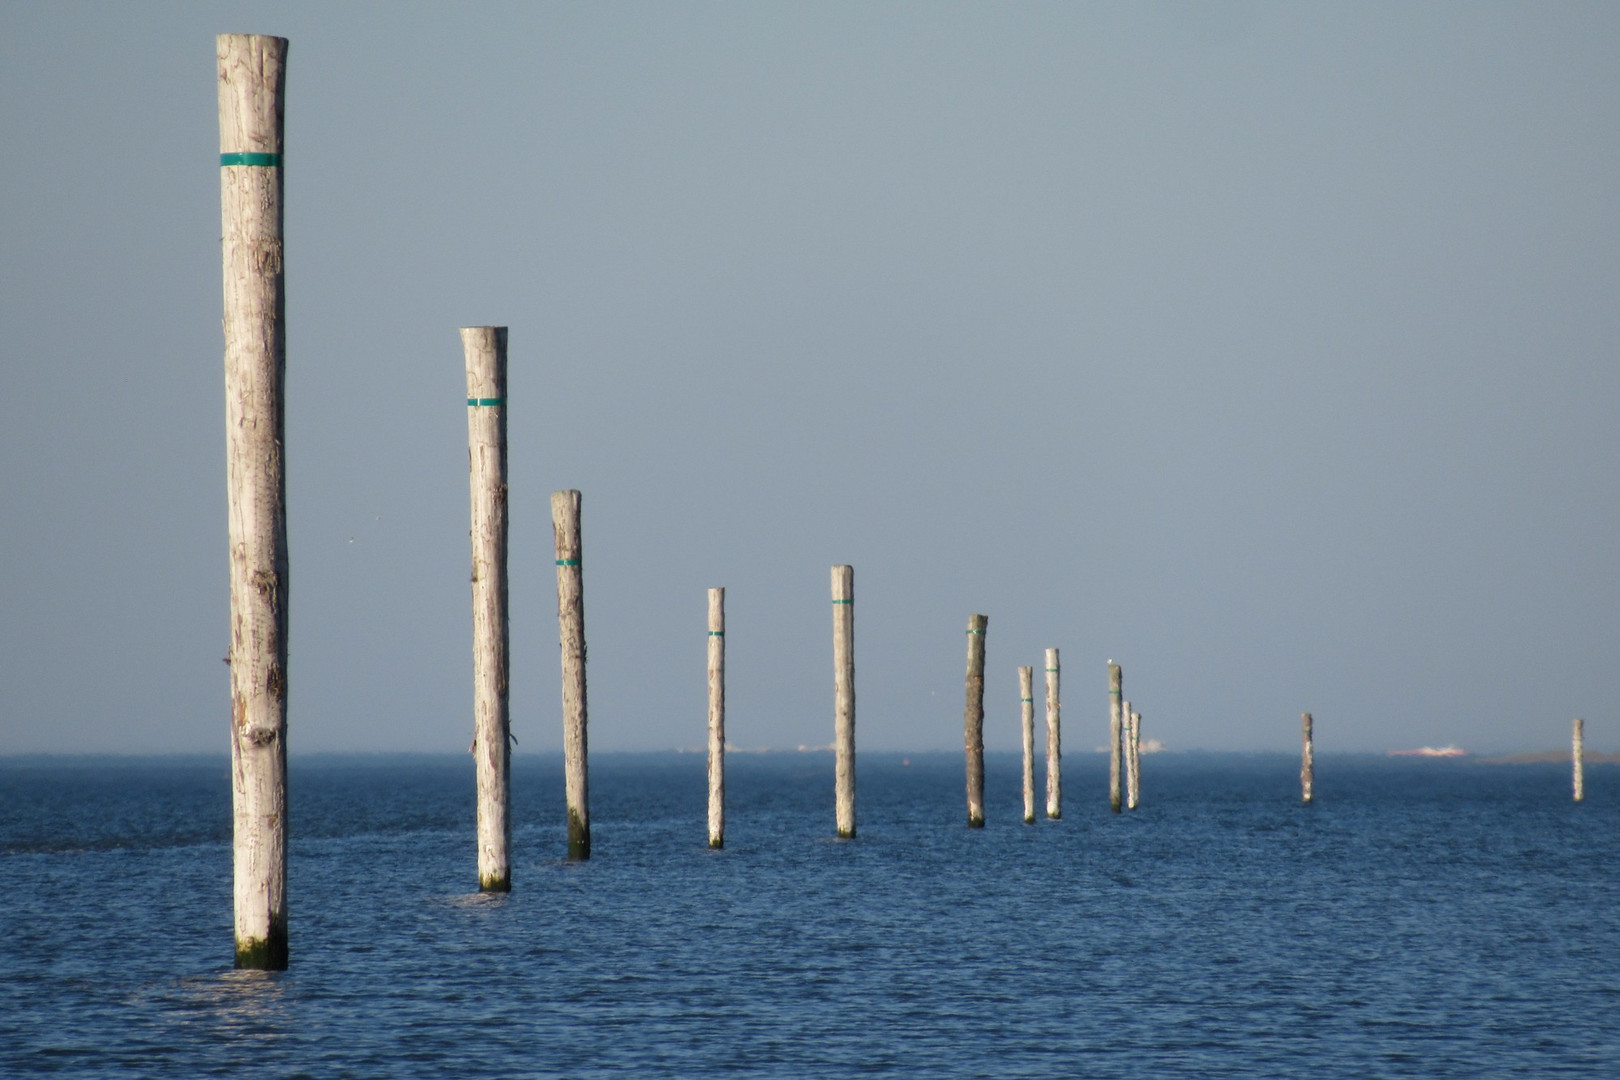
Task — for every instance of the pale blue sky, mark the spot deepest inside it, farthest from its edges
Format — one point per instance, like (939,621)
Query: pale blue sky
(1268,349)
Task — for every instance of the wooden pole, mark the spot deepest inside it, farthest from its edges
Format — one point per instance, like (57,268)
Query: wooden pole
(252,84)
(843,615)
(1116,720)
(973,720)
(1307,766)
(485,351)
(1578,757)
(565,507)
(1133,762)
(1054,739)
(717,718)
(1026,698)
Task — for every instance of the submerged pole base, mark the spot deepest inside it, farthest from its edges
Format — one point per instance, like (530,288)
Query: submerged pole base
(495,883)
(263,954)
(579,837)
(975,822)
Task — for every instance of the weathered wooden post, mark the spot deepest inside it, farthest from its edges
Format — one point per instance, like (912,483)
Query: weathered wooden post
(1307,766)
(1054,739)
(1026,698)
(1116,721)
(973,720)
(843,612)
(1578,756)
(252,84)
(485,350)
(717,718)
(1133,762)
(565,506)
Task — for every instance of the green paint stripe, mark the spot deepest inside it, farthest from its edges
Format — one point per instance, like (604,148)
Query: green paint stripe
(273,160)
(975,631)
(567,562)
(1053,670)
(1027,699)
(843,601)
(486,401)
(717,633)
(1113,693)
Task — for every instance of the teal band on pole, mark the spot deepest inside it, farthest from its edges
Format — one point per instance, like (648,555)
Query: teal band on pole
(1029,699)
(1113,693)
(717,633)
(486,401)
(975,631)
(567,562)
(267,160)
(843,601)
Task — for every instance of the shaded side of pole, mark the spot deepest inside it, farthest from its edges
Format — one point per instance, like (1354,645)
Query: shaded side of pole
(1307,766)
(252,88)
(1054,739)
(843,615)
(717,718)
(1116,722)
(1026,712)
(484,348)
(973,720)
(565,524)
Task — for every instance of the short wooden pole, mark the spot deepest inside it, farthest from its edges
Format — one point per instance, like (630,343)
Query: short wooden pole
(1307,765)
(565,511)
(973,720)
(1026,698)
(1578,757)
(1116,723)
(252,85)
(485,350)
(717,718)
(1133,763)
(1054,739)
(843,613)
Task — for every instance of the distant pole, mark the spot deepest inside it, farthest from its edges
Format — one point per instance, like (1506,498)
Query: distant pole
(717,718)
(485,350)
(565,507)
(1307,767)
(1054,739)
(252,84)
(973,720)
(1026,697)
(1116,721)
(1578,754)
(1133,763)
(843,609)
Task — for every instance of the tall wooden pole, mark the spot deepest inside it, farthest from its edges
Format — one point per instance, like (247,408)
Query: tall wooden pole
(1578,758)
(571,632)
(717,718)
(843,615)
(1133,762)
(1307,765)
(1054,739)
(252,83)
(1116,721)
(1026,698)
(973,720)
(485,350)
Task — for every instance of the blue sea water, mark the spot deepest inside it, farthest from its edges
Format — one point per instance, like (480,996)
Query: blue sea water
(1424,919)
